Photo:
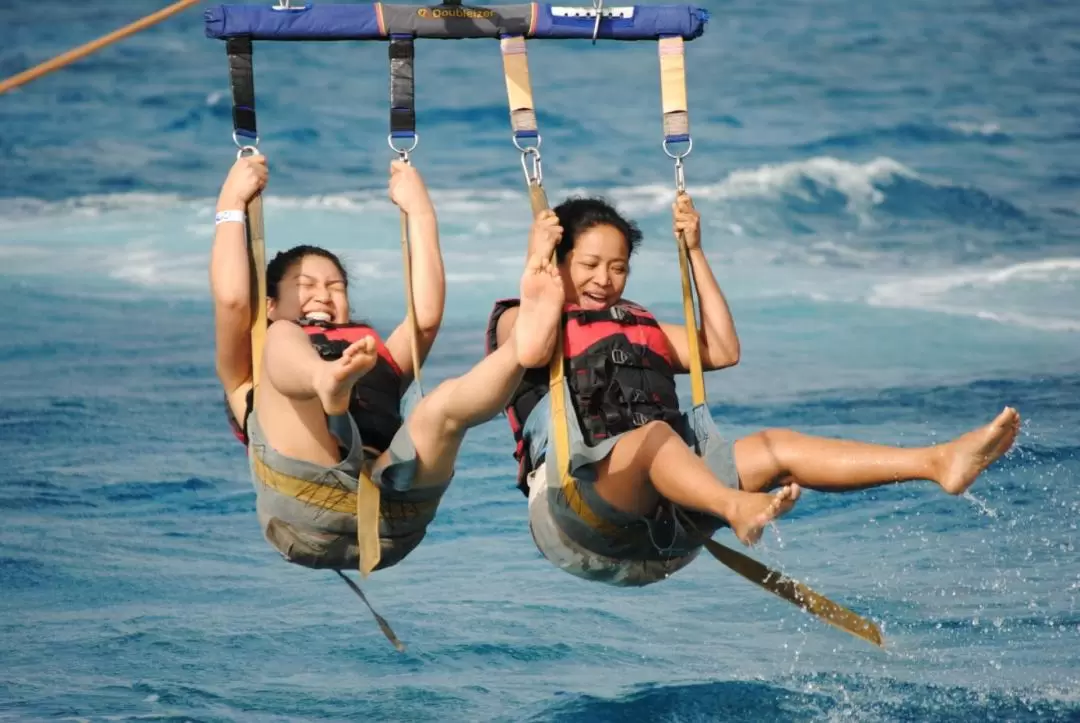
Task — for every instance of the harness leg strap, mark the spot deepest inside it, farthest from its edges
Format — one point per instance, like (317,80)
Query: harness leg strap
(367,524)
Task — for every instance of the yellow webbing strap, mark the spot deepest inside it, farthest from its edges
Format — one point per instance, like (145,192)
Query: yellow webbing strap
(697,372)
(410,307)
(368,499)
(306,491)
(673,87)
(329,498)
(256,234)
(523,118)
(795,592)
(518,88)
(560,435)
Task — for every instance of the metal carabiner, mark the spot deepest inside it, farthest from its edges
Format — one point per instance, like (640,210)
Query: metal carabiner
(537,174)
(680,176)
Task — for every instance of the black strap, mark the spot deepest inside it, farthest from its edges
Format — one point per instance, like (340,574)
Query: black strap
(379,619)
(613,313)
(242,77)
(402,87)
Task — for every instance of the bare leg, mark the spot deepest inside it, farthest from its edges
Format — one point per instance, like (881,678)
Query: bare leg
(779,456)
(301,388)
(439,422)
(653,461)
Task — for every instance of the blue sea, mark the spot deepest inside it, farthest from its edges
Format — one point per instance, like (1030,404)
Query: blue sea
(890,201)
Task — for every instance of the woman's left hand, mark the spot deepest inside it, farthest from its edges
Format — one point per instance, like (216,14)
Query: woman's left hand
(687,222)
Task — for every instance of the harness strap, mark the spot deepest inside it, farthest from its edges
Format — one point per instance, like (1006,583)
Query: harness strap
(523,116)
(242,80)
(403,140)
(368,502)
(365,503)
(523,123)
(402,87)
(518,89)
(677,130)
(379,619)
(334,499)
(673,89)
(791,590)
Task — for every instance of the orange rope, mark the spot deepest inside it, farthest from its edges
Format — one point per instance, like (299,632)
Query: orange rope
(83,50)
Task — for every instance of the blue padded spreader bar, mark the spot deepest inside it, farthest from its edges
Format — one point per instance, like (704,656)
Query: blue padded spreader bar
(377,21)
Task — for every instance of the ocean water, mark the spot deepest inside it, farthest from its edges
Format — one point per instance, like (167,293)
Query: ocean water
(889,193)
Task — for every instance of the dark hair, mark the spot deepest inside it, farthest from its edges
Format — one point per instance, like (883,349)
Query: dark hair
(577,215)
(283,261)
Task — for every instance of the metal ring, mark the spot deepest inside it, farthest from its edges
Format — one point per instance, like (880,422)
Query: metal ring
(246,151)
(246,143)
(528,149)
(404,151)
(677,156)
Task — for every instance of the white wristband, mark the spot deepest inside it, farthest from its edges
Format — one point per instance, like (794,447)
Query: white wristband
(229,217)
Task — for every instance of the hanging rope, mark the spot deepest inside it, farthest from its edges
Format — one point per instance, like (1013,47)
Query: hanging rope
(93,46)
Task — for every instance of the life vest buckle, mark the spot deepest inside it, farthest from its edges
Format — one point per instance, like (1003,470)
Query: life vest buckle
(621,315)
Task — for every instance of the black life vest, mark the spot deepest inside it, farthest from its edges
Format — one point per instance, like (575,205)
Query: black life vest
(376,397)
(619,370)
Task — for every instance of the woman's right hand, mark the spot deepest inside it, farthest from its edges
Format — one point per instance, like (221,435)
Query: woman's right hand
(246,179)
(545,234)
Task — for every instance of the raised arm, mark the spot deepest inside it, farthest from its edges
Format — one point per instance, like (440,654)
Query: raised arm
(719,341)
(408,191)
(230,280)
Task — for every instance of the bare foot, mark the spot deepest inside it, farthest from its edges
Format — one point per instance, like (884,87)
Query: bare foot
(335,380)
(757,509)
(968,455)
(539,318)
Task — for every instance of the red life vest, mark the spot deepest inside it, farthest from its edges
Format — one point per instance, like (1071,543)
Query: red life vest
(376,397)
(619,370)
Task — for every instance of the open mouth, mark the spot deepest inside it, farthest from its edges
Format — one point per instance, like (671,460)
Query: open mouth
(319,316)
(594,300)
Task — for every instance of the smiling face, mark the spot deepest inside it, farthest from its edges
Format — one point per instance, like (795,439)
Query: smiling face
(313,287)
(596,268)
